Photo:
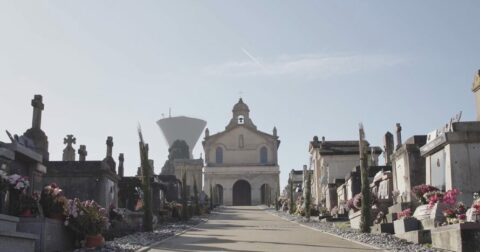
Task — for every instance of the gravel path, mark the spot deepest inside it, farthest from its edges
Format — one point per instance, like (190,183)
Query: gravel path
(383,241)
(136,241)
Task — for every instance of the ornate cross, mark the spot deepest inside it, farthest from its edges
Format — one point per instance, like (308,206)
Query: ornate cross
(69,140)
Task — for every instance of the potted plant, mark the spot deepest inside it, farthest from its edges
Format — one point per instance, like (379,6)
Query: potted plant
(420,191)
(88,219)
(53,202)
(28,205)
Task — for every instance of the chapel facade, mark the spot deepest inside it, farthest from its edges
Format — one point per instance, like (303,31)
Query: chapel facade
(241,163)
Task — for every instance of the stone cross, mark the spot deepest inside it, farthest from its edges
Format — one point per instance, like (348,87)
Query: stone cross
(274,131)
(38,106)
(69,151)
(120,165)
(399,136)
(388,147)
(109,146)
(82,153)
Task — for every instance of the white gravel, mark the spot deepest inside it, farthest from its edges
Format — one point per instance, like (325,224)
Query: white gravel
(383,241)
(136,241)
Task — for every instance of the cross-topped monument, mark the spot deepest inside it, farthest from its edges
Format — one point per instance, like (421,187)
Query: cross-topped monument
(109,158)
(82,153)
(121,159)
(69,151)
(35,134)
(38,106)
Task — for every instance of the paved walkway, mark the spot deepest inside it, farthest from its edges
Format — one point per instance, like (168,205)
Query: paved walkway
(253,229)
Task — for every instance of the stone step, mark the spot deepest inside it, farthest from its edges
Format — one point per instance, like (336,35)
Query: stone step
(15,241)
(8,223)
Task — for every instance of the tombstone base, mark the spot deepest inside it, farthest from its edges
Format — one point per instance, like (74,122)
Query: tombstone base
(383,228)
(458,237)
(355,219)
(406,225)
(418,236)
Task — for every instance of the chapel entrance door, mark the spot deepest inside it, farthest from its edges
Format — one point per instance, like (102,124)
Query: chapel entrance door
(242,193)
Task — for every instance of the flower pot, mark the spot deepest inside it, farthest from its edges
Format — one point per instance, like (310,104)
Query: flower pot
(56,216)
(94,241)
(26,213)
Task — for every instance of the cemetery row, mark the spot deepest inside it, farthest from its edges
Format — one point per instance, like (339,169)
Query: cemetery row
(50,205)
(426,192)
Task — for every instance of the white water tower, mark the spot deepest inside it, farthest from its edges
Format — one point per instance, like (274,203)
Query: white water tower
(182,128)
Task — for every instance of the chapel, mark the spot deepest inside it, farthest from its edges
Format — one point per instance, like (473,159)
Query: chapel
(241,162)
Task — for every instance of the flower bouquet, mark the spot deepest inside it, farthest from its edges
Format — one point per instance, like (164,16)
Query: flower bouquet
(53,202)
(420,191)
(89,219)
(405,214)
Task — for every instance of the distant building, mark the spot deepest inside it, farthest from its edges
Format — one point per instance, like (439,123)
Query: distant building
(241,162)
(331,161)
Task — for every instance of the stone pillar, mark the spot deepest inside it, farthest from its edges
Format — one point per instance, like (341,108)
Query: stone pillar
(388,147)
(69,151)
(120,165)
(476,91)
(82,153)
(109,146)
(399,136)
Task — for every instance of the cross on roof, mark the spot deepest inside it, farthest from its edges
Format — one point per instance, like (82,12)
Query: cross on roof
(69,140)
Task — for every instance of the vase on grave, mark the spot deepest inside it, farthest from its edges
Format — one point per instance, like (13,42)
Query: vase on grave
(94,241)
(472,215)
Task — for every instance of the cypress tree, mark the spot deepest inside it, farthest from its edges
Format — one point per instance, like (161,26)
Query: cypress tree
(184,196)
(195,196)
(366,202)
(211,197)
(146,180)
(308,195)
(291,209)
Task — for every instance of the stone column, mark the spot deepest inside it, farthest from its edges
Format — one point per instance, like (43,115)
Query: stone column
(476,91)
(82,153)
(109,146)
(120,165)
(399,136)
(388,147)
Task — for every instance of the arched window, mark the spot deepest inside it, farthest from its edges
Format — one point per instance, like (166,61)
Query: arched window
(263,155)
(240,142)
(219,155)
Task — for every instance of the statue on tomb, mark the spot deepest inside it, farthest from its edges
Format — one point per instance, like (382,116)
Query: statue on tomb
(69,151)
(399,136)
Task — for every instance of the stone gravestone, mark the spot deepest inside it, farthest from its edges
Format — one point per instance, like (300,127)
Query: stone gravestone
(69,151)
(389,148)
(82,153)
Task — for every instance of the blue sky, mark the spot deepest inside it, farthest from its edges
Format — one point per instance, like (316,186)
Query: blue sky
(307,67)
